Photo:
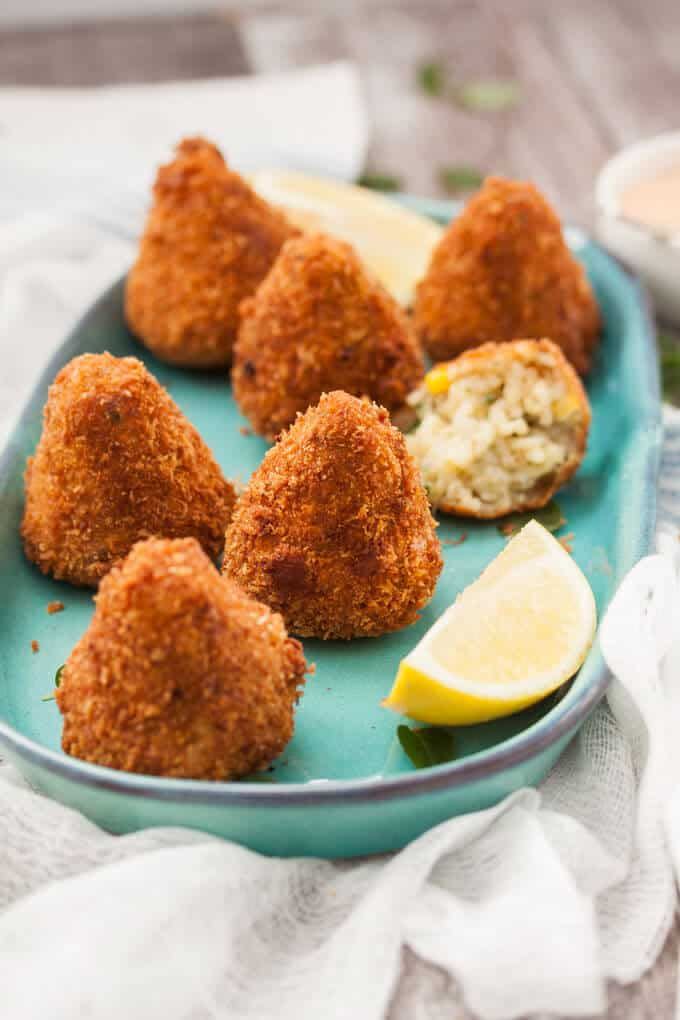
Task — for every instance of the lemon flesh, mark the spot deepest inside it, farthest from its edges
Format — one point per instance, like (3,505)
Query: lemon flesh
(395,244)
(511,638)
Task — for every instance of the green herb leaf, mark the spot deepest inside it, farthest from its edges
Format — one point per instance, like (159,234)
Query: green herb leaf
(379,182)
(429,746)
(57,681)
(432,78)
(551,517)
(460,178)
(488,95)
(669,360)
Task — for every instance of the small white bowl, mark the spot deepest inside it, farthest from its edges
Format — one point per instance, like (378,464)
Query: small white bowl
(650,252)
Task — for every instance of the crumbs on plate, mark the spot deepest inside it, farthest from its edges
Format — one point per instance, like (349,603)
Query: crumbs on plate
(55,607)
(455,541)
(567,542)
(35,647)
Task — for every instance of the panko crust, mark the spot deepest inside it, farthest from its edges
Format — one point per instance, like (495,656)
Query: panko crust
(334,530)
(526,350)
(117,461)
(503,270)
(179,673)
(209,241)
(320,322)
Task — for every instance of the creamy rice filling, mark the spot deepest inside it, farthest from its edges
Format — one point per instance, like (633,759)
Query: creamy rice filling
(495,436)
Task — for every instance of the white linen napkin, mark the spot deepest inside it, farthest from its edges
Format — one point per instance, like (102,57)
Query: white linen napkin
(530,906)
(61,144)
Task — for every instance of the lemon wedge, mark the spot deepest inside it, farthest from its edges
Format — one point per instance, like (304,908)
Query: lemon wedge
(394,242)
(519,632)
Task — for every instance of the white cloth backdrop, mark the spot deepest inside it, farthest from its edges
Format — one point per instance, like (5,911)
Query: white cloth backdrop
(531,905)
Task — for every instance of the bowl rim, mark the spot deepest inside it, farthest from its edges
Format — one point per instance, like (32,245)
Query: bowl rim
(561,721)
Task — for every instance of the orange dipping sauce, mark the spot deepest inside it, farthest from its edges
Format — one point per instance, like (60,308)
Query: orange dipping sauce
(654,201)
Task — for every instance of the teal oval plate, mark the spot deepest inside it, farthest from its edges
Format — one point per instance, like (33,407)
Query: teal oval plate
(343,786)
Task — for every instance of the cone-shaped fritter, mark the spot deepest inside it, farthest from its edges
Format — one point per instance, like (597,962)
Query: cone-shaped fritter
(320,322)
(334,530)
(179,673)
(117,462)
(208,242)
(503,270)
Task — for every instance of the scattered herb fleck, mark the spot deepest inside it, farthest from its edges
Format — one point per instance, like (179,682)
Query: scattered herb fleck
(379,181)
(479,95)
(491,95)
(57,682)
(551,517)
(35,646)
(669,360)
(460,178)
(431,745)
(432,78)
(55,607)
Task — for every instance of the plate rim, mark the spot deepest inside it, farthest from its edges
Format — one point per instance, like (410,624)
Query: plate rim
(505,756)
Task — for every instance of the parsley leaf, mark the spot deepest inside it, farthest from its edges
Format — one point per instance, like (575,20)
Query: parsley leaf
(379,182)
(669,360)
(432,78)
(488,95)
(431,745)
(460,178)
(57,682)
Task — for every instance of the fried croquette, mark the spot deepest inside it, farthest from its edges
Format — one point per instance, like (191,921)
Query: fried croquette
(501,428)
(209,241)
(117,462)
(320,322)
(179,673)
(334,530)
(503,270)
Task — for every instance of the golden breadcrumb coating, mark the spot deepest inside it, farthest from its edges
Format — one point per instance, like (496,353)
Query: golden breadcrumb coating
(503,270)
(117,462)
(179,673)
(501,428)
(209,241)
(334,530)
(319,322)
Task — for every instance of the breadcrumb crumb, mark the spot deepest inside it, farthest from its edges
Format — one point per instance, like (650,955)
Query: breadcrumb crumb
(567,541)
(455,541)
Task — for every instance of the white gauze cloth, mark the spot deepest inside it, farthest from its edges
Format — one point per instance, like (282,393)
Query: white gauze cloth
(530,906)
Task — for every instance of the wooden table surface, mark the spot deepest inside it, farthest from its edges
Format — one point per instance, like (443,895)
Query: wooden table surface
(594,75)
